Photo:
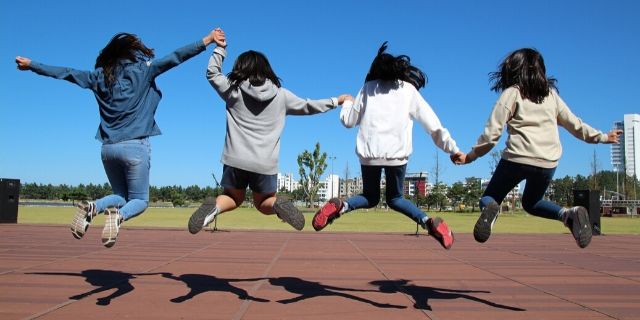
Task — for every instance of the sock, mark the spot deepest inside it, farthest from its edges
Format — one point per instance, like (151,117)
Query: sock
(564,216)
(424,222)
(345,207)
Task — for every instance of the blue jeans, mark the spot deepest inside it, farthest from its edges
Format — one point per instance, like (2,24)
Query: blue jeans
(508,174)
(127,165)
(371,191)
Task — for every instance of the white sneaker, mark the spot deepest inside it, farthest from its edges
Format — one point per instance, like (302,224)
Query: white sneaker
(85,212)
(111,227)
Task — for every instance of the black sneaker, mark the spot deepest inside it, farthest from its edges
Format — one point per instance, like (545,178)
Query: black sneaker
(489,215)
(289,213)
(203,216)
(85,212)
(577,220)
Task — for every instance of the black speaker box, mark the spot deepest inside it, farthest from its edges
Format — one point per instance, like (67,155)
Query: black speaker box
(9,195)
(590,199)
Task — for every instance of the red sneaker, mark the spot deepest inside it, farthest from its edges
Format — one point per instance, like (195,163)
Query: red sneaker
(439,229)
(329,212)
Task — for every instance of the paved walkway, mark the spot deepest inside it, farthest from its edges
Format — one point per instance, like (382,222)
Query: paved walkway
(171,274)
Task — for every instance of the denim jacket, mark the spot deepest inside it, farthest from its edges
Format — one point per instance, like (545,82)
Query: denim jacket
(127,108)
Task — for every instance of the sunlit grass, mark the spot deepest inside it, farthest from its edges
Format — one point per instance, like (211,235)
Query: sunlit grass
(356,221)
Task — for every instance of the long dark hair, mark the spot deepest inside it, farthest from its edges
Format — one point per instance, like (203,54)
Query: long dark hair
(524,68)
(388,67)
(122,46)
(253,66)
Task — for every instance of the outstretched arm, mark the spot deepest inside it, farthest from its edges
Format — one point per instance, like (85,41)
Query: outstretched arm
(576,126)
(424,114)
(502,111)
(350,113)
(299,106)
(216,78)
(84,79)
(159,66)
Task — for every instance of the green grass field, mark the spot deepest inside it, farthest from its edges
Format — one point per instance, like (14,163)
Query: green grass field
(357,221)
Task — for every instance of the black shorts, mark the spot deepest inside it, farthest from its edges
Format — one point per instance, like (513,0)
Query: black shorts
(234,178)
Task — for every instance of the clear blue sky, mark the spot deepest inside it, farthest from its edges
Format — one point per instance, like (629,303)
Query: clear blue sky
(320,49)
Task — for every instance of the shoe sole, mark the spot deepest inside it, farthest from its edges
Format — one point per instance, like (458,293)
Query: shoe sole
(482,229)
(337,204)
(582,226)
(289,213)
(196,222)
(438,235)
(111,229)
(79,224)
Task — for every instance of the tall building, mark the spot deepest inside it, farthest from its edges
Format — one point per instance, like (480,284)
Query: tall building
(329,188)
(632,144)
(415,184)
(350,187)
(617,149)
(625,156)
(287,182)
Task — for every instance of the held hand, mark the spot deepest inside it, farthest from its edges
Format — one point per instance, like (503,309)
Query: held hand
(458,158)
(344,97)
(614,136)
(23,63)
(219,38)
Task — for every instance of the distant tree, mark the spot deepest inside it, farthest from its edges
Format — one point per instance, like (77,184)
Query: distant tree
(562,191)
(473,192)
(437,197)
(193,193)
(311,166)
(581,183)
(456,194)
(298,194)
(177,198)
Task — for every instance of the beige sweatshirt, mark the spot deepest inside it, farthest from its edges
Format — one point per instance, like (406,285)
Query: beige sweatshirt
(533,129)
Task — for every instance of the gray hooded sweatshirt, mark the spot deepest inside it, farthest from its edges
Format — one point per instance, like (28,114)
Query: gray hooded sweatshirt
(255,118)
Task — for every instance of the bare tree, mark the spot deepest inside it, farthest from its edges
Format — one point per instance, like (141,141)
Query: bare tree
(594,170)
(346,180)
(495,159)
(437,170)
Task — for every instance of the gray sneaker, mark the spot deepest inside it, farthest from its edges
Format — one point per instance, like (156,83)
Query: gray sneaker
(489,215)
(203,216)
(85,212)
(111,227)
(289,213)
(577,220)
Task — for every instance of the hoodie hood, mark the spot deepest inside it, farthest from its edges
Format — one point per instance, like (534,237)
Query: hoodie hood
(262,93)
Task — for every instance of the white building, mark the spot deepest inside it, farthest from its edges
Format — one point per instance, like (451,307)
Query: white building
(350,187)
(287,182)
(632,144)
(625,156)
(329,188)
